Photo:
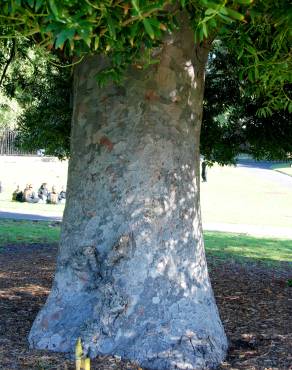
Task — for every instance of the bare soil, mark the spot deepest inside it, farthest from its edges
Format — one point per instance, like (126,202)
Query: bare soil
(254,300)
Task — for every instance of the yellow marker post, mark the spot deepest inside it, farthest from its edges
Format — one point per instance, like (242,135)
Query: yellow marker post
(87,363)
(78,354)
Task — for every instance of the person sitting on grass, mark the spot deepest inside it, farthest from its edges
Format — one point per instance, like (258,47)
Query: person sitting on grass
(43,193)
(53,196)
(62,196)
(29,195)
(17,195)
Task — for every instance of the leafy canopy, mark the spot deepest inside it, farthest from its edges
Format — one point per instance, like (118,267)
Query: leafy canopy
(127,31)
(35,98)
(230,124)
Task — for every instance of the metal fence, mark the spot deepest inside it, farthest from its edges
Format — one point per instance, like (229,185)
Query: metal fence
(8,144)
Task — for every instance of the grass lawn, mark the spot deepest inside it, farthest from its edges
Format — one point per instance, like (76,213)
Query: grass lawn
(28,232)
(283,168)
(234,195)
(223,246)
(7,204)
(242,248)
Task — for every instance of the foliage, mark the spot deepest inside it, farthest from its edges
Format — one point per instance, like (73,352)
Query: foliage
(231,124)
(41,88)
(45,123)
(9,109)
(9,112)
(126,31)
(250,77)
(262,46)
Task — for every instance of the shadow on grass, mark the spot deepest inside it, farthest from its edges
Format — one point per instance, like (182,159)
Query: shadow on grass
(244,248)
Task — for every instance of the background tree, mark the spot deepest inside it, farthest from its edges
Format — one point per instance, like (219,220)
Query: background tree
(233,119)
(9,109)
(131,253)
(40,89)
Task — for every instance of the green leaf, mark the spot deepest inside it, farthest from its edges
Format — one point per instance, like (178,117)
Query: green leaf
(148,28)
(31,3)
(251,50)
(210,11)
(38,4)
(111,27)
(85,34)
(212,22)
(240,54)
(241,75)
(245,2)
(87,41)
(205,31)
(251,75)
(134,30)
(225,18)
(64,35)
(54,8)
(96,42)
(234,14)
(254,14)
(201,34)
(210,4)
(256,73)
(261,112)
(136,7)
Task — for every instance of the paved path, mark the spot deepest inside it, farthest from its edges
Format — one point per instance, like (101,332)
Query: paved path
(252,230)
(37,216)
(262,169)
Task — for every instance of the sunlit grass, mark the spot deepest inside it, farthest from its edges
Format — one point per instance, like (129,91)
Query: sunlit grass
(6,204)
(246,248)
(224,246)
(238,196)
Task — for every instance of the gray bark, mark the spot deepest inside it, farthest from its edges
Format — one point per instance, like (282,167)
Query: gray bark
(132,277)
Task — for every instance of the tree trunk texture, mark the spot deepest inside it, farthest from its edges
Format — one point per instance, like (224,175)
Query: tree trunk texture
(131,277)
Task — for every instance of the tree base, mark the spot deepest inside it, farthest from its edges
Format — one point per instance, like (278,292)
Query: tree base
(168,321)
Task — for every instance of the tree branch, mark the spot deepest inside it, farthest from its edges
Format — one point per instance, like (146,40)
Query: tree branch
(12,54)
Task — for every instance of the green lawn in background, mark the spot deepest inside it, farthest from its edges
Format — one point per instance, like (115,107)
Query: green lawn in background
(247,248)
(223,246)
(234,195)
(28,232)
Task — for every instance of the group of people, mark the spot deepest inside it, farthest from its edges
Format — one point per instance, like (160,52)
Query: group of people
(42,196)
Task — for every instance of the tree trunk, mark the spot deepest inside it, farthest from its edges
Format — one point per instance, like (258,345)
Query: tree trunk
(132,278)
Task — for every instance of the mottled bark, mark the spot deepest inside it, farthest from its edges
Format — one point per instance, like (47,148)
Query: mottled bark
(132,278)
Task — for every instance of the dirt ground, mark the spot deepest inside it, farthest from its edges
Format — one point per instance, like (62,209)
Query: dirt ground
(254,303)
